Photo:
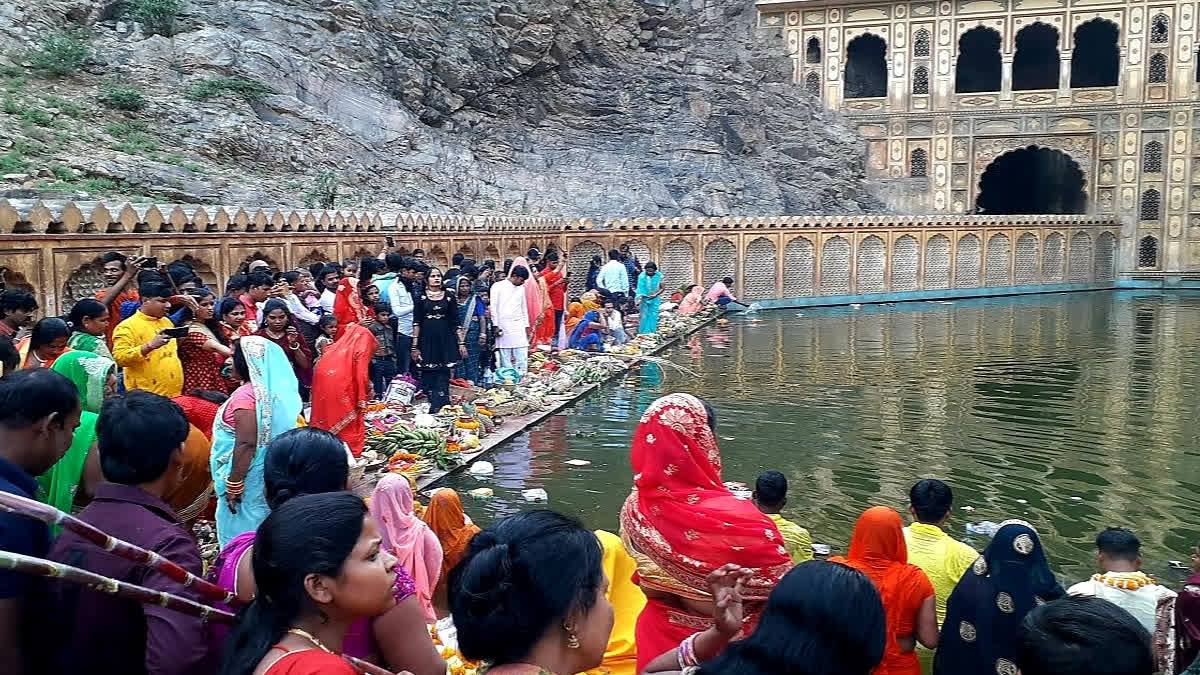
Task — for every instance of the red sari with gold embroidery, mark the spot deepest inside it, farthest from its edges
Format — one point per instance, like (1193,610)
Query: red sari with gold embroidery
(341,384)
(680,523)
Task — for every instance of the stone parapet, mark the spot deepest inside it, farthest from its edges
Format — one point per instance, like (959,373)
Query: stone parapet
(52,249)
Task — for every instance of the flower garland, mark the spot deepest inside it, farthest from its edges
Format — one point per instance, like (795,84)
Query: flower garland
(1129,581)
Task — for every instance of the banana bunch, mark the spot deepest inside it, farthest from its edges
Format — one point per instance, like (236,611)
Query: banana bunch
(424,442)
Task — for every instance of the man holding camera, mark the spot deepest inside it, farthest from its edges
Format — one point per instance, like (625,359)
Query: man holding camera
(144,345)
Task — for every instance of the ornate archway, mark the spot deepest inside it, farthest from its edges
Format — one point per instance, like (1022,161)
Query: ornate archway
(1032,180)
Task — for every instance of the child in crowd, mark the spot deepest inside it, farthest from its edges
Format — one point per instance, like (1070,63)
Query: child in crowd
(328,328)
(371,296)
(770,496)
(383,365)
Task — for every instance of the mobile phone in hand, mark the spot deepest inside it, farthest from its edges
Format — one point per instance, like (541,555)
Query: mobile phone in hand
(176,333)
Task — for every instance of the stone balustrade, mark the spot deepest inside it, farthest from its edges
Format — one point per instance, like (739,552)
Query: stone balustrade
(52,248)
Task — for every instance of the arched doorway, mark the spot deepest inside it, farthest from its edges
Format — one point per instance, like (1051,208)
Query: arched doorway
(866,67)
(1036,63)
(1032,180)
(1095,60)
(978,61)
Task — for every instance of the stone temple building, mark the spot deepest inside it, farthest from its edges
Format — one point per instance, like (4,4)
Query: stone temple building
(1017,106)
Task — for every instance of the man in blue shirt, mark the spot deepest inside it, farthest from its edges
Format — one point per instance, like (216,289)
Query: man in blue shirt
(613,277)
(39,411)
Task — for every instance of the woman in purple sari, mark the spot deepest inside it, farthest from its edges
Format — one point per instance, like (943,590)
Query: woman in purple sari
(312,461)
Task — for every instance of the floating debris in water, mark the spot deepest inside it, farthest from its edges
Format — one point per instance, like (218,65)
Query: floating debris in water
(944,302)
(1076,499)
(799,313)
(967,508)
(482,469)
(535,495)
(578,462)
(1022,501)
(481,494)
(985,528)
(821,549)
(1176,565)
(855,305)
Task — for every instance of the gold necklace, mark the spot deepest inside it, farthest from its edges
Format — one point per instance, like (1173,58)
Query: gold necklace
(311,638)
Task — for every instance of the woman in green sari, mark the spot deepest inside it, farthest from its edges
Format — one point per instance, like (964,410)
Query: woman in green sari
(89,321)
(96,378)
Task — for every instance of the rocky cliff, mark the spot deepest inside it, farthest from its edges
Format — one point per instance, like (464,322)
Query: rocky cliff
(601,108)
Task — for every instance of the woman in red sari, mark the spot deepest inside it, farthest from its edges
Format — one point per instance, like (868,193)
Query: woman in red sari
(878,551)
(348,305)
(533,299)
(341,386)
(681,523)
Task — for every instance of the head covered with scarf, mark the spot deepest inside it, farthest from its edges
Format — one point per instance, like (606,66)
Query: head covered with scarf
(682,518)
(341,386)
(988,605)
(407,537)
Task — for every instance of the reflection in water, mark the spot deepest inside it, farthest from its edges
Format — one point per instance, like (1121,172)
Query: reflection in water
(1020,403)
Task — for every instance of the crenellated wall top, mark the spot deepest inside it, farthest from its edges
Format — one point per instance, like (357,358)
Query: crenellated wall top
(18,217)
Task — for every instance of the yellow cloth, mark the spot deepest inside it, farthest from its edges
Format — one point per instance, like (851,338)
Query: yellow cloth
(620,657)
(796,539)
(160,371)
(942,558)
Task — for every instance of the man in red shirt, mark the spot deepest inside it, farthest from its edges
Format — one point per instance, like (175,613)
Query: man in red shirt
(259,291)
(17,308)
(118,272)
(554,272)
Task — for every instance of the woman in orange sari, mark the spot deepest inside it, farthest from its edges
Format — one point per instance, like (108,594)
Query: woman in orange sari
(454,531)
(878,551)
(341,387)
(681,523)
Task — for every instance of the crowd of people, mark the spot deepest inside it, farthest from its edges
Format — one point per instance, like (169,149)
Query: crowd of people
(143,411)
(696,580)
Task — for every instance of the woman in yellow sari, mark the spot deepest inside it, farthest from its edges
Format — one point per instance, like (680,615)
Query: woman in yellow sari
(590,301)
(575,314)
(620,657)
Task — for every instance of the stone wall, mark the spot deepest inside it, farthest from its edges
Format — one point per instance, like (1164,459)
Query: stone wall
(53,249)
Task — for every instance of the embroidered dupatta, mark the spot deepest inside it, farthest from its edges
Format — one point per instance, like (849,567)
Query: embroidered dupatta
(340,389)
(682,518)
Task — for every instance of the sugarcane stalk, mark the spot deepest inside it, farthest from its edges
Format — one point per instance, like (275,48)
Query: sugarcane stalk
(30,508)
(49,569)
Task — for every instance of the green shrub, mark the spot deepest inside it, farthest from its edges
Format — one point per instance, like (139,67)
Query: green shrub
(66,106)
(122,97)
(13,161)
(131,137)
(156,16)
(62,173)
(11,107)
(36,116)
(227,86)
(62,53)
(324,191)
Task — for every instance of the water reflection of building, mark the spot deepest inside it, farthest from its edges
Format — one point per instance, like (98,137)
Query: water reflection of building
(1029,106)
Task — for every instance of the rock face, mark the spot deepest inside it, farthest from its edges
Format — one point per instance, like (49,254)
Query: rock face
(600,108)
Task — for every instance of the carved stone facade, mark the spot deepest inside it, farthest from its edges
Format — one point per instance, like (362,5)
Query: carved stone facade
(943,90)
(53,250)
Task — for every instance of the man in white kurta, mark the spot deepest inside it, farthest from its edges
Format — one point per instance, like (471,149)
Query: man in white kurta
(511,317)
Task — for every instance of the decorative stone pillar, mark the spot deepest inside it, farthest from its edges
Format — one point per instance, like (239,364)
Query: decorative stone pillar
(1006,64)
(1064,77)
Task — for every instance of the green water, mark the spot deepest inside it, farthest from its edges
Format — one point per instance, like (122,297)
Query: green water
(1036,398)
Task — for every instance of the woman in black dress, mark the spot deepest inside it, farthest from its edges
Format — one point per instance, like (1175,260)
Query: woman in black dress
(438,343)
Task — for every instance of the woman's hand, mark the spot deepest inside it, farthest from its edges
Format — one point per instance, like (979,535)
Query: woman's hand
(725,583)
(232,500)
(462,351)
(416,355)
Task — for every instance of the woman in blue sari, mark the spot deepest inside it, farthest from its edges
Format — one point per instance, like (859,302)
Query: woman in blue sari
(266,405)
(987,606)
(648,298)
(587,334)
(472,315)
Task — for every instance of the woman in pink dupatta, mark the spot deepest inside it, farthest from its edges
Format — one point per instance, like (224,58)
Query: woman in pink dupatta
(533,295)
(408,537)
